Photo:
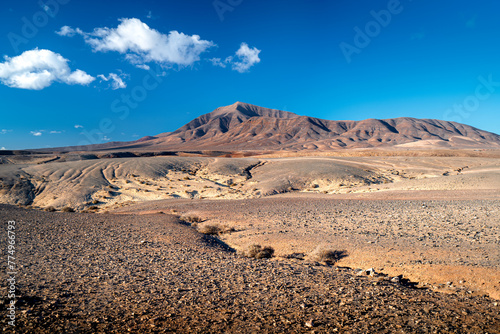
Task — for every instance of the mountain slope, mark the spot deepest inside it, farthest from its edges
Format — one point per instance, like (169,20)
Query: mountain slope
(243,126)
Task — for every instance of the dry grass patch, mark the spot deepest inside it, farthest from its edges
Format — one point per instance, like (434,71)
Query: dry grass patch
(328,256)
(210,229)
(259,252)
(190,218)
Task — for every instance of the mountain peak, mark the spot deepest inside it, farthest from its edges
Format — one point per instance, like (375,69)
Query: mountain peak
(248,110)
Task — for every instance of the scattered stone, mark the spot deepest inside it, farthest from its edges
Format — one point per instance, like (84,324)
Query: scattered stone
(310,323)
(397,279)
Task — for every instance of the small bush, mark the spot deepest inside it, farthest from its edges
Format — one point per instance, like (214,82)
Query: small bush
(228,229)
(67,209)
(327,255)
(210,229)
(260,252)
(190,218)
(50,209)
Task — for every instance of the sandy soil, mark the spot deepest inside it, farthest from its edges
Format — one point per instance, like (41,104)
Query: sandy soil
(99,273)
(432,219)
(451,246)
(104,184)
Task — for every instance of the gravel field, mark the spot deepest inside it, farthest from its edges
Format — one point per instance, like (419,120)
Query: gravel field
(105,273)
(447,245)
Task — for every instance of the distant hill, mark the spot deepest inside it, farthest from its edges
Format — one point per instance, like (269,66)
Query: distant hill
(243,126)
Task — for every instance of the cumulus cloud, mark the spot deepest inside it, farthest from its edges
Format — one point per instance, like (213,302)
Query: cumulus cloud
(116,81)
(77,126)
(244,58)
(38,69)
(36,133)
(68,31)
(140,44)
(247,57)
(3,148)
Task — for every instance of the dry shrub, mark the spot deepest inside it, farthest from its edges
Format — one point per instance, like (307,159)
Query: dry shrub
(228,229)
(190,218)
(210,229)
(67,209)
(327,255)
(50,209)
(259,252)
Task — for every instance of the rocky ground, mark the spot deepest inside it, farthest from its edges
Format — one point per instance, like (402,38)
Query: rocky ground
(447,245)
(105,273)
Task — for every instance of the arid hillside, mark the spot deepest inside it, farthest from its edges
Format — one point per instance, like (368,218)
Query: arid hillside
(244,127)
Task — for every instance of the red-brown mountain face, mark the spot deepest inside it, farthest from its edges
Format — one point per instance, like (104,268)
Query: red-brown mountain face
(243,126)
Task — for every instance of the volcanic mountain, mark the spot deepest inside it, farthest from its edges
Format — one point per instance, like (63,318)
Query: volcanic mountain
(243,126)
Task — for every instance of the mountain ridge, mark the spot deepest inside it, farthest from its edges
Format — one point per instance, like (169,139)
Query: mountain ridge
(243,126)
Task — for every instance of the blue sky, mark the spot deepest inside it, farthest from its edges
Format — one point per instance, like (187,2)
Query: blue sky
(77,72)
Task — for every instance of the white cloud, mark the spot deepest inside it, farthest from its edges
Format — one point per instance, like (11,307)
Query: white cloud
(246,58)
(116,81)
(106,138)
(36,133)
(68,31)
(143,66)
(142,45)
(55,132)
(218,62)
(150,15)
(77,126)
(4,131)
(243,59)
(3,148)
(38,69)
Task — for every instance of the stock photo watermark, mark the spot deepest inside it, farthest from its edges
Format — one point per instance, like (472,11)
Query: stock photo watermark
(364,36)
(471,103)
(11,273)
(31,26)
(123,105)
(223,6)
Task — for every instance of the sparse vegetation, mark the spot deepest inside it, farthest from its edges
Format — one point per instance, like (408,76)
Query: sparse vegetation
(327,255)
(67,209)
(259,252)
(50,209)
(190,218)
(210,229)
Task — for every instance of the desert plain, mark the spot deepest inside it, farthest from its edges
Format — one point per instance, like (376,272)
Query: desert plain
(364,241)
